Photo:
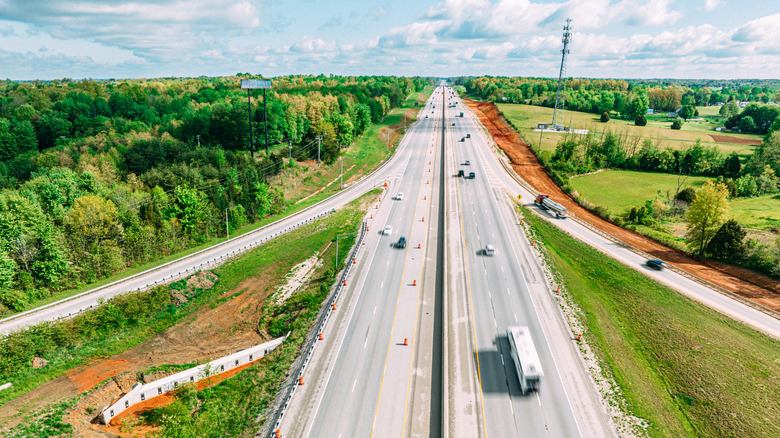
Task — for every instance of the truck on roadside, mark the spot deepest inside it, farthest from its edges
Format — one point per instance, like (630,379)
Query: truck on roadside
(545,203)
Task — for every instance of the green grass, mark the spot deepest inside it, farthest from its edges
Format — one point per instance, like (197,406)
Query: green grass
(619,190)
(760,212)
(525,118)
(87,336)
(637,187)
(686,369)
(366,154)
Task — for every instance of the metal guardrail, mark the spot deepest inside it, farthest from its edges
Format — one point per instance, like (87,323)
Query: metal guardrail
(308,348)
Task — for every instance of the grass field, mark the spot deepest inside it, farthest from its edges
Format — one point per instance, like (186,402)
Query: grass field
(686,369)
(525,118)
(761,212)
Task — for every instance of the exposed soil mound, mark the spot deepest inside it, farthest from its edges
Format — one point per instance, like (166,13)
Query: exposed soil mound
(753,286)
(202,280)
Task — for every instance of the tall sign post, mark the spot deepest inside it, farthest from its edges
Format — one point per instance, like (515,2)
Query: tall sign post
(253,84)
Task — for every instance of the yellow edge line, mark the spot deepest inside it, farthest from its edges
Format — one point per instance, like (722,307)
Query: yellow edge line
(417,307)
(471,305)
(390,342)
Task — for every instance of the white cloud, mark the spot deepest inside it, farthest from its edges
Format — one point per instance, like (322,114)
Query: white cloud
(709,5)
(308,44)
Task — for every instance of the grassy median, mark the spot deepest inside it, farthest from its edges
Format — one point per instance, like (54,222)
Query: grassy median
(686,369)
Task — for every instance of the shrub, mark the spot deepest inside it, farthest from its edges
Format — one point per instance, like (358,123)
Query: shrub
(688,194)
(677,124)
(726,244)
(605,117)
(640,120)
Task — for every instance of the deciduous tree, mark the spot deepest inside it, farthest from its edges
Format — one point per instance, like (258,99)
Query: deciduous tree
(706,214)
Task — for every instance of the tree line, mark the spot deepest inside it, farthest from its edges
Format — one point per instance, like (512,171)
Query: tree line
(98,176)
(630,99)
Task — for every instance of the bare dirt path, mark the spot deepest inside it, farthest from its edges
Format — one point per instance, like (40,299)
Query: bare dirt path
(753,286)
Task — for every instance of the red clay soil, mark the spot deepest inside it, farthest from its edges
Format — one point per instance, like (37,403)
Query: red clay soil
(753,286)
(734,140)
(115,427)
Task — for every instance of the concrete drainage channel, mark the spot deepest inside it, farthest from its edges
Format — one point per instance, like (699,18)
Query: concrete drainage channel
(296,374)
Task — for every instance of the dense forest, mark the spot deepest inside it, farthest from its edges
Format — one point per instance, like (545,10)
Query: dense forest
(98,176)
(630,99)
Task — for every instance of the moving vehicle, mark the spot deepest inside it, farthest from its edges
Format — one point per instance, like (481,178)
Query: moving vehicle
(525,358)
(467,163)
(401,242)
(461,114)
(460,172)
(472,175)
(656,264)
(399,196)
(388,230)
(489,250)
(468,135)
(545,203)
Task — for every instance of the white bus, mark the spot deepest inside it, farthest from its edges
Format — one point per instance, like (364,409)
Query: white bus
(525,358)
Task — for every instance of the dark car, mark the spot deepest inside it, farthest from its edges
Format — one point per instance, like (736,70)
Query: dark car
(472,175)
(460,172)
(401,243)
(656,264)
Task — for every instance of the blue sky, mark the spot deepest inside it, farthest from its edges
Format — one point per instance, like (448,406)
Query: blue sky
(46,39)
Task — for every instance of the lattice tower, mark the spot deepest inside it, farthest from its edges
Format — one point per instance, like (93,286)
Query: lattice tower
(560,96)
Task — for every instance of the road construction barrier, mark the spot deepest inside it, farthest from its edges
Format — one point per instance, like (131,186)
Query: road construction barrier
(141,392)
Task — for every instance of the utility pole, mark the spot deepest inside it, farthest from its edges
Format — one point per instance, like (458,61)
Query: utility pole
(249,106)
(342,171)
(319,147)
(265,118)
(227,227)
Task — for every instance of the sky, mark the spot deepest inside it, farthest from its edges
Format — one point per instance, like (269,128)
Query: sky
(102,39)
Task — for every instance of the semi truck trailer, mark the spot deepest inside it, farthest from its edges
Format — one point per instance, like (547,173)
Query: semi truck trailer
(545,203)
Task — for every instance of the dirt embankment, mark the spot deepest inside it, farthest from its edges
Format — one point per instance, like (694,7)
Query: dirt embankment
(207,334)
(755,287)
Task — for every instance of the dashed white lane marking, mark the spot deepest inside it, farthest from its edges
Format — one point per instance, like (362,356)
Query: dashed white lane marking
(515,317)
(375,310)
(353,386)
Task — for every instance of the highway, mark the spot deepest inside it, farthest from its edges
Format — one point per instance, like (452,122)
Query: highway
(497,293)
(452,377)
(492,160)
(363,381)
(369,374)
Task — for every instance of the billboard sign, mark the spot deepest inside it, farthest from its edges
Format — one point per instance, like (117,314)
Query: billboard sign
(255,83)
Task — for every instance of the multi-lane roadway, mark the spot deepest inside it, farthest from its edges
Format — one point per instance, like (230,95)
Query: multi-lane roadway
(417,346)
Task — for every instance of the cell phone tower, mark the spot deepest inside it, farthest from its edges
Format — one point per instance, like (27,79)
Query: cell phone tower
(560,96)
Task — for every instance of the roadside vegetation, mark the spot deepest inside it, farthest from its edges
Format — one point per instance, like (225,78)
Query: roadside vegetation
(102,179)
(684,368)
(608,169)
(232,407)
(130,319)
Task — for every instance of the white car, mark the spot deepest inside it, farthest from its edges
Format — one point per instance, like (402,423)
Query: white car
(490,250)
(388,230)
(399,196)
(467,163)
